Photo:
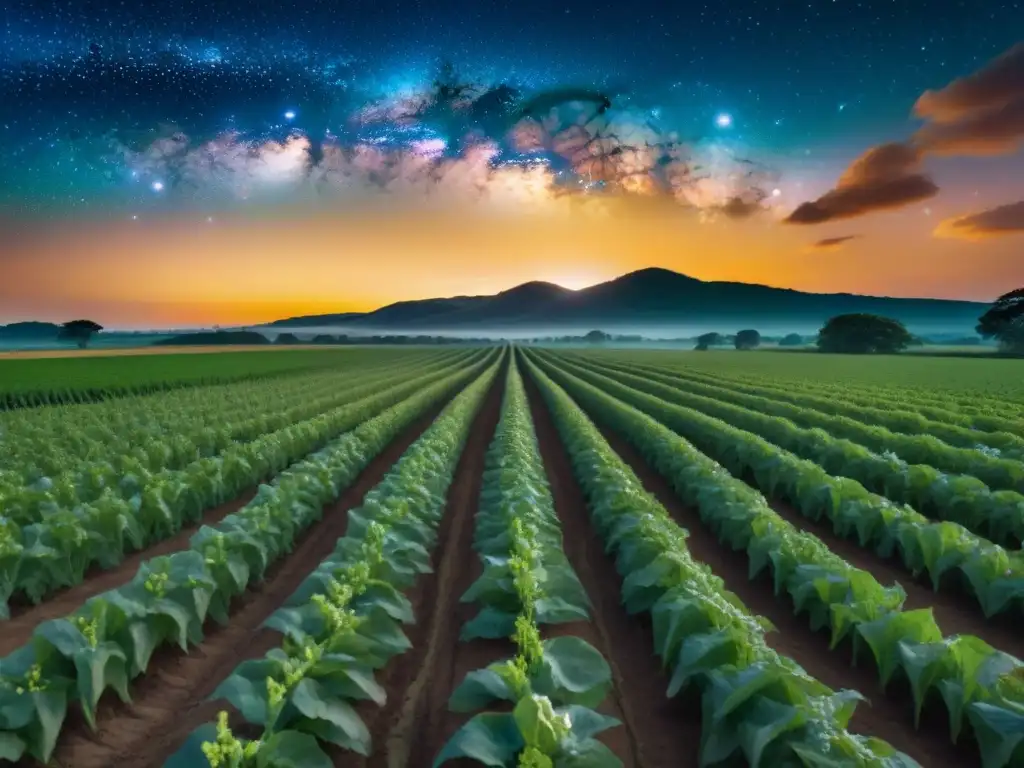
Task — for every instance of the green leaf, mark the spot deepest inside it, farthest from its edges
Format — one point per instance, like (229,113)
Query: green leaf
(586,753)
(490,623)
(291,749)
(586,723)
(573,672)
(998,730)
(11,747)
(478,689)
(490,738)
(310,698)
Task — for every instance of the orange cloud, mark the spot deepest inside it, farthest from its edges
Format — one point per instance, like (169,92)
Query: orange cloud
(832,243)
(981,114)
(887,176)
(1002,220)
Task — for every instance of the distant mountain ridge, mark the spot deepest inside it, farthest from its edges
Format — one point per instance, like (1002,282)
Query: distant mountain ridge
(647,297)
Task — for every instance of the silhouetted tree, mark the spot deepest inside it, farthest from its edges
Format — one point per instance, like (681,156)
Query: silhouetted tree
(708,340)
(1004,321)
(596,337)
(287,338)
(791,340)
(861,333)
(747,339)
(79,331)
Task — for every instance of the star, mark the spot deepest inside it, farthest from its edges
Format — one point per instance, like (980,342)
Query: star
(289,115)
(157,186)
(723,120)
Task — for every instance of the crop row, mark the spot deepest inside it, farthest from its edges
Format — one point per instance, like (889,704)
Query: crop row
(550,686)
(28,383)
(976,682)
(28,488)
(58,551)
(109,640)
(996,471)
(754,702)
(51,441)
(964,499)
(807,407)
(993,576)
(344,621)
(987,410)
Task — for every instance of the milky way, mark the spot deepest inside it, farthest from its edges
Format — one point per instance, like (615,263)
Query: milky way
(223,104)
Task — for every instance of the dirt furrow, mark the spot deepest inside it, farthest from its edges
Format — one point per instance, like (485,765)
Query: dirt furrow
(25,618)
(886,717)
(403,730)
(170,700)
(658,731)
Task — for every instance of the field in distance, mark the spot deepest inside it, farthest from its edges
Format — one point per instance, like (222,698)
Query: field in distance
(593,557)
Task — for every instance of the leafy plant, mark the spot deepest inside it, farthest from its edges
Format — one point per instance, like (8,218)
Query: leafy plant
(527,582)
(171,597)
(756,703)
(345,619)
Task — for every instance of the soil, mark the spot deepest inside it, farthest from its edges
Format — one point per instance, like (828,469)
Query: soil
(419,682)
(25,618)
(657,731)
(170,700)
(889,717)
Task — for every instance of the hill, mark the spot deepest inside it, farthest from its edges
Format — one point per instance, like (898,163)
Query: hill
(648,298)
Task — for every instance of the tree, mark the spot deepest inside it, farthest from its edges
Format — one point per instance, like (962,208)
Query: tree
(791,340)
(748,339)
(79,331)
(596,337)
(1004,321)
(287,338)
(860,333)
(708,340)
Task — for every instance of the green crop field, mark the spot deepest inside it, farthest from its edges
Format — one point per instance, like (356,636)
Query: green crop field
(518,557)
(49,380)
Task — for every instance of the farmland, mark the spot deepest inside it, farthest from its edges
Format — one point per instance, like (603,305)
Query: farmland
(515,556)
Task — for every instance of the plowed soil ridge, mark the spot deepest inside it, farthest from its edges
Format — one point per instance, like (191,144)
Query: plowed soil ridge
(886,717)
(660,732)
(25,618)
(170,700)
(416,682)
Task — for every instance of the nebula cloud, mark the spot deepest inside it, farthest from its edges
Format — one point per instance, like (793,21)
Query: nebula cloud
(461,143)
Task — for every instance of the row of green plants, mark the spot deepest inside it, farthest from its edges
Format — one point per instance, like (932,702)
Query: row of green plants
(982,410)
(805,407)
(71,381)
(996,515)
(978,684)
(109,640)
(552,686)
(122,469)
(345,620)
(996,471)
(166,430)
(57,552)
(756,705)
(990,574)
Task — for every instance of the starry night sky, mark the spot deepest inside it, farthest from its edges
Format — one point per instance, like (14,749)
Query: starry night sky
(195,111)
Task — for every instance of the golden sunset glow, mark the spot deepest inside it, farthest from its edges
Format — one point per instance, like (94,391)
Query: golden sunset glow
(250,269)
